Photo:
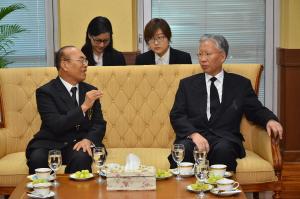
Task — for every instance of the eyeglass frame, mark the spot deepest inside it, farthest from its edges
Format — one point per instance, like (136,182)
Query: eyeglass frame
(83,61)
(99,41)
(158,39)
(208,55)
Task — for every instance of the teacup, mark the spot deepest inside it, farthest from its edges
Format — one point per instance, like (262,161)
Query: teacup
(43,173)
(225,184)
(186,168)
(42,188)
(217,170)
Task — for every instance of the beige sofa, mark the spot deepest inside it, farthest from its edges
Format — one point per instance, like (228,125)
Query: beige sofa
(136,105)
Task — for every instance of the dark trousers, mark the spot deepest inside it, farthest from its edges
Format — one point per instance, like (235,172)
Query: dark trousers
(221,151)
(75,160)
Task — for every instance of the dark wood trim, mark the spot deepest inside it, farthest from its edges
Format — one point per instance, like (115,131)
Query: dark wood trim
(1,111)
(258,79)
(288,57)
(130,57)
(288,61)
(6,190)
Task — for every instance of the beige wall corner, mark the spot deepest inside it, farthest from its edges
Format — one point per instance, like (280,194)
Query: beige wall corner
(289,24)
(74,17)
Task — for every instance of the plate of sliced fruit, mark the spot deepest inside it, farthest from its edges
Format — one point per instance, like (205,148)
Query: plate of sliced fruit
(81,175)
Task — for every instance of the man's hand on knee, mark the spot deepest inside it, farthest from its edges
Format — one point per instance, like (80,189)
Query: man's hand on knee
(85,145)
(200,141)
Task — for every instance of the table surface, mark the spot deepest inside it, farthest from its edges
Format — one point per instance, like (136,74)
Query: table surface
(168,188)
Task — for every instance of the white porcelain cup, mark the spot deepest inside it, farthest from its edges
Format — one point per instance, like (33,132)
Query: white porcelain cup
(217,170)
(42,188)
(225,184)
(186,168)
(43,173)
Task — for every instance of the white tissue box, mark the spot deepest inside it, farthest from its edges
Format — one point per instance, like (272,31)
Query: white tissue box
(141,179)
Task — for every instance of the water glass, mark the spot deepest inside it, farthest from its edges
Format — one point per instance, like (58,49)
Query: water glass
(54,162)
(99,156)
(178,156)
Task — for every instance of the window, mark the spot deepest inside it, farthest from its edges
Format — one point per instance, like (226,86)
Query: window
(242,22)
(35,46)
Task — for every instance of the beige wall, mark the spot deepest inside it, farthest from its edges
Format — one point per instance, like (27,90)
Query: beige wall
(74,16)
(290,24)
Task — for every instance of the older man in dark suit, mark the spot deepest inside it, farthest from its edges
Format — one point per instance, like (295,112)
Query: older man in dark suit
(209,106)
(71,115)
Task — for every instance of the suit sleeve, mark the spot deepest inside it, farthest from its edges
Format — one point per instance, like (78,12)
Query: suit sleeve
(180,122)
(120,59)
(52,118)
(253,108)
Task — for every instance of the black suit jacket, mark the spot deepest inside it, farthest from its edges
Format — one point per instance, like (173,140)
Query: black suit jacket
(188,113)
(60,118)
(176,57)
(113,58)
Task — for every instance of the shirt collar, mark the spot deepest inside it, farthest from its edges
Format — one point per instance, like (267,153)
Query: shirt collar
(98,59)
(219,76)
(165,58)
(68,85)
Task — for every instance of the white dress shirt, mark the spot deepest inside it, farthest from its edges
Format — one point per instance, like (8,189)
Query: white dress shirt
(69,86)
(98,59)
(219,86)
(164,59)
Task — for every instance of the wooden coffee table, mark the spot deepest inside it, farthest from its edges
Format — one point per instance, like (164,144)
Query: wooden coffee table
(169,188)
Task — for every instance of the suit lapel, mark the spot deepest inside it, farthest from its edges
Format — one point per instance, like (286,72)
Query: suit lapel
(172,59)
(227,96)
(151,57)
(63,93)
(81,93)
(199,86)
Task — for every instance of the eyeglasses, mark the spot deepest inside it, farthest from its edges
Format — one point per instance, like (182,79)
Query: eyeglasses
(207,55)
(158,39)
(99,41)
(84,61)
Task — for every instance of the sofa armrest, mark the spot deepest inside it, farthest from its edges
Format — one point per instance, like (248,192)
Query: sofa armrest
(3,142)
(267,147)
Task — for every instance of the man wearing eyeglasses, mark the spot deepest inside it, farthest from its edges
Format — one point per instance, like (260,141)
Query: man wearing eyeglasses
(209,106)
(71,115)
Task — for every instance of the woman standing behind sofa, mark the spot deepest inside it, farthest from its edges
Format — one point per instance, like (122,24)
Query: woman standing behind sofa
(157,35)
(98,47)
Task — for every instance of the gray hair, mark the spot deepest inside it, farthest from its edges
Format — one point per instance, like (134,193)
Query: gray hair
(219,40)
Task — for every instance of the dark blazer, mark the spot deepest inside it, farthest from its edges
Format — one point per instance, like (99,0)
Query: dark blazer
(176,57)
(111,57)
(60,117)
(188,113)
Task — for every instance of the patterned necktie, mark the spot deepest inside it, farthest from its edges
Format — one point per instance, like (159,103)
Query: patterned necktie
(214,97)
(73,91)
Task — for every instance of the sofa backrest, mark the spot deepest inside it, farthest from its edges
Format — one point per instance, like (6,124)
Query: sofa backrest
(136,102)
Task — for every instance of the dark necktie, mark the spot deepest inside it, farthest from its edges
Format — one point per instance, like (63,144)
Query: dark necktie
(214,97)
(73,91)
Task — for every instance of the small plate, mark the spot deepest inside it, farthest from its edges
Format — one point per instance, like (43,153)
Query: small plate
(164,177)
(29,185)
(34,177)
(218,192)
(190,188)
(72,176)
(174,172)
(32,195)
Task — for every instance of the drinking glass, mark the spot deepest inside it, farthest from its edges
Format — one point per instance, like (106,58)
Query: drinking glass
(201,171)
(99,157)
(54,162)
(178,156)
(199,154)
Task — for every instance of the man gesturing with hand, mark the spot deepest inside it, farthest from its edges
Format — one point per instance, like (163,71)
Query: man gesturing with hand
(71,115)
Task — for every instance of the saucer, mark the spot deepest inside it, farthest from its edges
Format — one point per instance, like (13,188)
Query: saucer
(218,192)
(190,188)
(73,176)
(164,177)
(185,174)
(33,195)
(228,174)
(29,185)
(34,177)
